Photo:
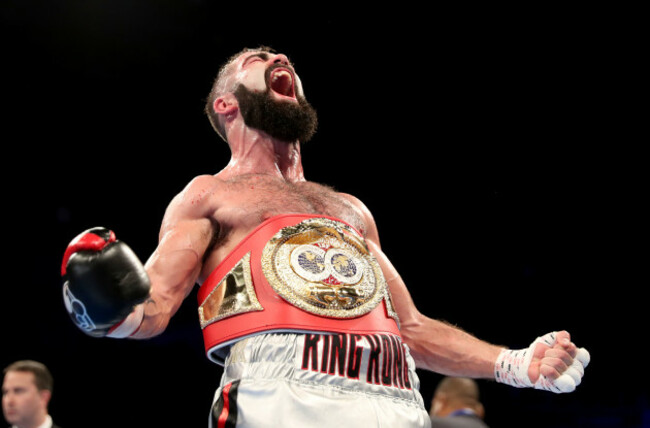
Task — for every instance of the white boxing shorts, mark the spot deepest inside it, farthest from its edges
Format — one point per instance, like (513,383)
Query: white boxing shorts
(319,380)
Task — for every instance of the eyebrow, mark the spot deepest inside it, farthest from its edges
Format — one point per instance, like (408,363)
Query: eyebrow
(262,55)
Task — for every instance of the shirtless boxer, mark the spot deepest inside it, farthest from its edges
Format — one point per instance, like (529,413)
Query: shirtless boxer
(297,299)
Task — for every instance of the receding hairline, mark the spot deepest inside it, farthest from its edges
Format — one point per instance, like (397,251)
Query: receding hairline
(225,68)
(219,86)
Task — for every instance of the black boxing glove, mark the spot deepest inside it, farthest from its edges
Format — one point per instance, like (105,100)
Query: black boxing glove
(103,282)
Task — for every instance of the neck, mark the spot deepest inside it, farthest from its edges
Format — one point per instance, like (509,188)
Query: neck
(255,152)
(35,423)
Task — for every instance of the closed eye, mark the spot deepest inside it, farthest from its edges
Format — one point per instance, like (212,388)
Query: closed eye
(256,57)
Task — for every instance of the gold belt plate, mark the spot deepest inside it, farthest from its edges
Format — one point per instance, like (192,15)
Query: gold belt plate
(324,267)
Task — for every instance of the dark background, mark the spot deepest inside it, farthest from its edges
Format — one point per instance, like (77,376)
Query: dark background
(494,147)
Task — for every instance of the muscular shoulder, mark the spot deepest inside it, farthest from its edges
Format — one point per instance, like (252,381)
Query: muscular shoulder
(356,203)
(193,201)
(196,193)
(370,228)
(200,186)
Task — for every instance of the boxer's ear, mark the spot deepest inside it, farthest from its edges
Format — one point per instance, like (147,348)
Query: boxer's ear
(226,104)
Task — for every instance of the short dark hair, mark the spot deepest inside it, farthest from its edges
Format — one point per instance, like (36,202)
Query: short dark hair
(217,89)
(42,376)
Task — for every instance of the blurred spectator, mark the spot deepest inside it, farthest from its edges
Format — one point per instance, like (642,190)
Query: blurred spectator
(456,403)
(26,393)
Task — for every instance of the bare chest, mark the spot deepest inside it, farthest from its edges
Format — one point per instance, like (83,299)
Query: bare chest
(247,201)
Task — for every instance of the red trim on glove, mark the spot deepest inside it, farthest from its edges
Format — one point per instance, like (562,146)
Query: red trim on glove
(85,241)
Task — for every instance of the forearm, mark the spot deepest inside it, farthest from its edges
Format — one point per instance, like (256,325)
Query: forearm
(448,350)
(436,345)
(172,277)
(173,269)
(552,362)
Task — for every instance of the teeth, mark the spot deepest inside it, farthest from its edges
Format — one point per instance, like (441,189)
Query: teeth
(281,73)
(282,82)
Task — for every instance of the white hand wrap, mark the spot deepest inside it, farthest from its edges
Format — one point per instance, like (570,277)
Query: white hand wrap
(130,324)
(512,366)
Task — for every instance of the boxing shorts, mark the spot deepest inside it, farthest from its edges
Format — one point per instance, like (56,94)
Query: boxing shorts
(319,380)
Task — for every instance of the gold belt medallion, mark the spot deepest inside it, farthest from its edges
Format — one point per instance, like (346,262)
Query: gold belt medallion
(323,266)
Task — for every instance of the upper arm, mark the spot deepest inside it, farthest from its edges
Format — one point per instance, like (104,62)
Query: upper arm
(185,235)
(173,268)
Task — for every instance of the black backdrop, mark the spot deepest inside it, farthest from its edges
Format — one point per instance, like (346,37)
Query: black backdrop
(491,145)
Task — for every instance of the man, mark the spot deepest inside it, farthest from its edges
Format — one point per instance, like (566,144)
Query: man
(456,404)
(297,299)
(26,393)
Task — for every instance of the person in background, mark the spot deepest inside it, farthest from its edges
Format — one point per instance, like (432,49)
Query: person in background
(456,403)
(26,393)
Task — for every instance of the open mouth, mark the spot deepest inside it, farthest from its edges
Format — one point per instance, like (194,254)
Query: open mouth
(281,82)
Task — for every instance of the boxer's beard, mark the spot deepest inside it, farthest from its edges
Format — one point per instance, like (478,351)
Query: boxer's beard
(284,120)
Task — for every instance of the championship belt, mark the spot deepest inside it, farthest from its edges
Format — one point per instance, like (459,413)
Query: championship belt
(295,273)
(323,267)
